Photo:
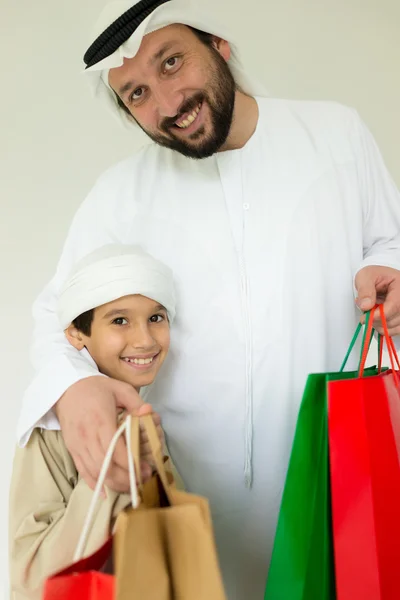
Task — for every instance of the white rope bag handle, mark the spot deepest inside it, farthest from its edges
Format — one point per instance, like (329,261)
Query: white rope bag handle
(125,427)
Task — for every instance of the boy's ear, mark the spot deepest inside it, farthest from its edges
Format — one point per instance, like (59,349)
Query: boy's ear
(75,337)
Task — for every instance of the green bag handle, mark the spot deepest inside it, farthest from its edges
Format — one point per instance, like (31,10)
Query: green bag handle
(366,343)
(355,337)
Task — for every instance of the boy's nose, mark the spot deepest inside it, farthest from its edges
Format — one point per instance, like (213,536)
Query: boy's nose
(141,338)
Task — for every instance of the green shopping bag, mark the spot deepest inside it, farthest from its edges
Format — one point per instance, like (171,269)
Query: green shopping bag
(302,565)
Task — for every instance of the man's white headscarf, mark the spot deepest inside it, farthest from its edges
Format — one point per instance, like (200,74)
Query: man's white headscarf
(109,273)
(119,31)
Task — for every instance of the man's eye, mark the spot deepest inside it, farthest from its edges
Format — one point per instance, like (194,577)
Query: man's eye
(171,63)
(120,321)
(138,93)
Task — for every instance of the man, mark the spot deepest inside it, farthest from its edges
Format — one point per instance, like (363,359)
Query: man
(287,203)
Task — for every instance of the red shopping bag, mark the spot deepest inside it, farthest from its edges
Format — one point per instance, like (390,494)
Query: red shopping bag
(364,446)
(83,580)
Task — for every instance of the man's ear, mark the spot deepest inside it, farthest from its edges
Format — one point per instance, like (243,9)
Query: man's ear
(222,46)
(75,337)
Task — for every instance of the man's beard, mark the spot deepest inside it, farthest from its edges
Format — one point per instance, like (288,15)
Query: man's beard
(220,98)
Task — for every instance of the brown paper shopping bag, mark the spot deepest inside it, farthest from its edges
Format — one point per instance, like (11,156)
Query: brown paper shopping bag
(164,549)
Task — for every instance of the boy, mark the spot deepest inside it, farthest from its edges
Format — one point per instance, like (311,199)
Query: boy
(116,307)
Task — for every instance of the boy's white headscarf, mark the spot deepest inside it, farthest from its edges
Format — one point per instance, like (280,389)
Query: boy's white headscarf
(168,13)
(109,273)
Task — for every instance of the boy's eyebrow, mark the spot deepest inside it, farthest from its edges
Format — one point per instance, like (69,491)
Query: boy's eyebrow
(160,307)
(115,311)
(123,311)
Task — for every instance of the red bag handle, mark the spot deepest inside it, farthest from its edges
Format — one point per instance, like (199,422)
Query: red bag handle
(389,343)
(367,340)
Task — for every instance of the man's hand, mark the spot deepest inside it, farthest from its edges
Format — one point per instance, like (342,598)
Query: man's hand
(380,285)
(87,413)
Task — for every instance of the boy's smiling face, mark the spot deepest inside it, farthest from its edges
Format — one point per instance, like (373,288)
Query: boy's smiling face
(129,339)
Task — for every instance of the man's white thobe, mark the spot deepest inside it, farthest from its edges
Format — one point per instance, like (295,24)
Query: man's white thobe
(264,243)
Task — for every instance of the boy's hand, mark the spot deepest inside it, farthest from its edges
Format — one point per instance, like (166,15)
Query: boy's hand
(145,450)
(87,413)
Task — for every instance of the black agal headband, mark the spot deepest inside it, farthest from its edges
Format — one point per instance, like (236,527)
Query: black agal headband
(119,31)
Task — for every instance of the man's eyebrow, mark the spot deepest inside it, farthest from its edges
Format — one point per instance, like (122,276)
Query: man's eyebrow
(159,54)
(126,88)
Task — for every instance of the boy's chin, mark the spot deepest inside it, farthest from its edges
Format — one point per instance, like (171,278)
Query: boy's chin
(138,381)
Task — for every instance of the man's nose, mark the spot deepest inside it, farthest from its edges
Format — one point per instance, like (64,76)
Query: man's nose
(167,99)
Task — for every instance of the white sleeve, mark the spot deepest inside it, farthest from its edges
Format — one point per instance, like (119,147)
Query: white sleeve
(381,202)
(66,368)
(57,364)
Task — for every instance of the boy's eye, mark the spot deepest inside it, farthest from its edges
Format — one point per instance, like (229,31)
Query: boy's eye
(156,318)
(120,321)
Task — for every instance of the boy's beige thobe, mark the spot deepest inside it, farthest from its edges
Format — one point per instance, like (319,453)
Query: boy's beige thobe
(48,506)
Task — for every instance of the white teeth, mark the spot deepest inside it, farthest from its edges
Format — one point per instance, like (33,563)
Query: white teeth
(139,361)
(190,118)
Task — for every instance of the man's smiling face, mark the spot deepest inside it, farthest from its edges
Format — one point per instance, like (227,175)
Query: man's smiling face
(179,90)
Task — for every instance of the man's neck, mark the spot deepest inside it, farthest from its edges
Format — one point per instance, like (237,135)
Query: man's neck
(244,122)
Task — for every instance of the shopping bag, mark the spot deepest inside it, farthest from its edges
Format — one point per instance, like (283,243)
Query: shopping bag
(164,549)
(302,566)
(83,580)
(364,441)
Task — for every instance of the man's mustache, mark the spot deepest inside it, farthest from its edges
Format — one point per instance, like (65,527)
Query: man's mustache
(187,107)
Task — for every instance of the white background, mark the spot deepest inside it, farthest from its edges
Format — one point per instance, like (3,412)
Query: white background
(55,140)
